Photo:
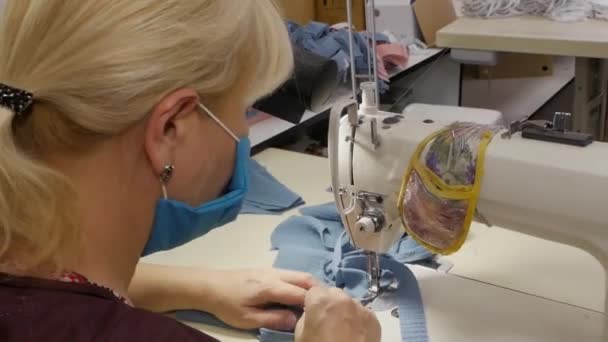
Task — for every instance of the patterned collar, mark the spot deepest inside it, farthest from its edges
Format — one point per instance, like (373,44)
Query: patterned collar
(77,278)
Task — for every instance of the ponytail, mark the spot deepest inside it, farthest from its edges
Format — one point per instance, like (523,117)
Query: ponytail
(31,199)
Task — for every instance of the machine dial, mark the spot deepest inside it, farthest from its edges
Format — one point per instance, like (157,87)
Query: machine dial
(371,221)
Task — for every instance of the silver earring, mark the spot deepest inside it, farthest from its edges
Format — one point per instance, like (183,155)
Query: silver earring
(167,173)
(165,177)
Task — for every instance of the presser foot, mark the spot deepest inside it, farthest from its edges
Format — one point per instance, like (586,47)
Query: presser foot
(378,298)
(374,272)
(385,300)
(370,297)
(381,299)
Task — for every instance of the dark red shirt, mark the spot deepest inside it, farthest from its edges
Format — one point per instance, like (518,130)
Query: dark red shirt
(33,310)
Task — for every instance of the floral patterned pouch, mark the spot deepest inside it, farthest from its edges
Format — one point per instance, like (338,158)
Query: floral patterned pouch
(439,191)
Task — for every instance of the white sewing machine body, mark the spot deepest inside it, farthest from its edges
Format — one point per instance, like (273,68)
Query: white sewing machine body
(544,189)
(379,170)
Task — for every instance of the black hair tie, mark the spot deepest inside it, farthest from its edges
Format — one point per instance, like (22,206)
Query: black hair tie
(17,100)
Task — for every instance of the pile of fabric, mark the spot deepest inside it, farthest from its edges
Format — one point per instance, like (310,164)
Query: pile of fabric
(332,42)
(559,10)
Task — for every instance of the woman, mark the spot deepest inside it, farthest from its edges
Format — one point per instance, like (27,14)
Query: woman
(118,118)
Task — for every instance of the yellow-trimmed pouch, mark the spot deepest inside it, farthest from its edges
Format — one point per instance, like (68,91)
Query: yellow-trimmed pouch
(440,189)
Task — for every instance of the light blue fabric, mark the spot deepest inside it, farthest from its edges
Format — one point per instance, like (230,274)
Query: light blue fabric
(317,243)
(320,39)
(317,29)
(266,195)
(352,277)
(319,229)
(327,47)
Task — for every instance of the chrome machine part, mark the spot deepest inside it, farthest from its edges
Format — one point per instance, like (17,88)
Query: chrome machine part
(351,45)
(371,4)
(358,209)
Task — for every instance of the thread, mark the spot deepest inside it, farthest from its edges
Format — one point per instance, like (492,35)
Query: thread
(600,9)
(491,8)
(559,10)
(570,10)
(535,7)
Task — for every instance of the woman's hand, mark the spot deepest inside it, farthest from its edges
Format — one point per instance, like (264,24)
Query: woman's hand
(331,315)
(245,299)
(242,299)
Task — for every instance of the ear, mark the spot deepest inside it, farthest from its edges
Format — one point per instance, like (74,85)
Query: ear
(164,129)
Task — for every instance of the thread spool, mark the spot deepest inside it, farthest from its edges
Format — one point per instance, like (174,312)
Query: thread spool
(369,105)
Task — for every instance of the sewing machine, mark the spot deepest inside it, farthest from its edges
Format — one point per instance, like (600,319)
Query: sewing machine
(546,189)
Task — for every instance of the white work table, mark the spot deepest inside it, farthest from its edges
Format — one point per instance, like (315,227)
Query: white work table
(458,309)
(585,40)
(528,35)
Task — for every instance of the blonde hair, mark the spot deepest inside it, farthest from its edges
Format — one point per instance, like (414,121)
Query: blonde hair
(97,67)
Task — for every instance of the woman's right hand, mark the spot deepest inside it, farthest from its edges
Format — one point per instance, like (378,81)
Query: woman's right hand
(332,316)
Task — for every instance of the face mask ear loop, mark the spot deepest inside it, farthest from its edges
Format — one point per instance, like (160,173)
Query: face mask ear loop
(214,118)
(165,177)
(164,188)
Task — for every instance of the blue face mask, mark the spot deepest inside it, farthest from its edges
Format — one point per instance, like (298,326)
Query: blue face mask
(176,223)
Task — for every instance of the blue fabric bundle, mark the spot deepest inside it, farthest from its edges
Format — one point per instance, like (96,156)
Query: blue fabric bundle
(311,239)
(266,195)
(317,243)
(324,41)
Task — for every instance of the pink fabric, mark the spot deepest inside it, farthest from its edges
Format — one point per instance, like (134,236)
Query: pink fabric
(390,55)
(260,116)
